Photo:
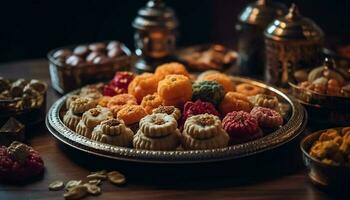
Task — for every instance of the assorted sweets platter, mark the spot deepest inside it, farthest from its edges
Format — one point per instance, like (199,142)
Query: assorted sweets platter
(172,116)
(325,92)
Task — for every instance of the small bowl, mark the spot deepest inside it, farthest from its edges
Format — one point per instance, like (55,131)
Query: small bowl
(27,116)
(66,78)
(320,174)
(322,108)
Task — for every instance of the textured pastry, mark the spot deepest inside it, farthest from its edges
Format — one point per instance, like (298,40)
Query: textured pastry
(118,102)
(94,116)
(82,104)
(170,68)
(263,100)
(209,91)
(175,90)
(151,101)
(234,101)
(165,143)
(222,79)
(204,132)
(70,99)
(198,107)
(131,114)
(83,130)
(158,125)
(170,110)
(249,89)
(114,132)
(241,127)
(219,141)
(203,126)
(143,85)
(71,120)
(267,117)
(94,95)
(91,89)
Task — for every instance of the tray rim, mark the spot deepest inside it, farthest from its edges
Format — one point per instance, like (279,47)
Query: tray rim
(295,125)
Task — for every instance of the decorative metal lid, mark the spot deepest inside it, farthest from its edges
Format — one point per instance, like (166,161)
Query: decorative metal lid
(294,26)
(155,15)
(261,12)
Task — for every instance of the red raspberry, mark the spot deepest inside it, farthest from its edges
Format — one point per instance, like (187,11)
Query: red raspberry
(241,127)
(15,172)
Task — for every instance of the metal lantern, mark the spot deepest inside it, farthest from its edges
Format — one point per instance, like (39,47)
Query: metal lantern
(155,36)
(250,28)
(291,42)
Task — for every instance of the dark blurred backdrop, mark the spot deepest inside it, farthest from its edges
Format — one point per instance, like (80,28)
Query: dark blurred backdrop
(30,28)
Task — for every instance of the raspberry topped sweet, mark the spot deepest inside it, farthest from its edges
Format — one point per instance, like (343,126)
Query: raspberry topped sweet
(267,117)
(119,84)
(241,127)
(19,163)
(198,107)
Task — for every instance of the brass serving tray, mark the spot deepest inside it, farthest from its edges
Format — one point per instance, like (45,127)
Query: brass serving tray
(295,124)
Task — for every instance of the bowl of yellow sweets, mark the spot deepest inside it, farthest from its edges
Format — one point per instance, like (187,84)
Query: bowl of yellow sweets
(326,155)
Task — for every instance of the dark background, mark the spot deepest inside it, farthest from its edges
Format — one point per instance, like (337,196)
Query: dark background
(30,28)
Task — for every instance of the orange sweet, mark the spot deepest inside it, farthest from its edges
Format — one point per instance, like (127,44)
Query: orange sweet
(119,101)
(175,90)
(222,79)
(234,101)
(151,101)
(143,85)
(170,68)
(131,114)
(249,89)
(103,101)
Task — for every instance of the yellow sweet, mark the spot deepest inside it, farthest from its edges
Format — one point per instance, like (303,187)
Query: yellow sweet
(234,101)
(131,114)
(222,79)
(249,89)
(171,68)
(151,101)
(119,101)
(143,85)
(175,90)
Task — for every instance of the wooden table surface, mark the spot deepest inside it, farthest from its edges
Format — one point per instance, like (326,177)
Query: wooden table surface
(273,175)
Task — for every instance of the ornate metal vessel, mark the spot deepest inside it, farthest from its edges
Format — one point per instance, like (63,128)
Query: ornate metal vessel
(291,42)
(155,36)
(252,22)
(295,124)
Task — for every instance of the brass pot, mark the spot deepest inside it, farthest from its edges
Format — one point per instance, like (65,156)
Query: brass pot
(252,22)
(291,42)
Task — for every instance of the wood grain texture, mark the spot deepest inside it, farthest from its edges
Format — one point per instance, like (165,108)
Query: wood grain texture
(273,175)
